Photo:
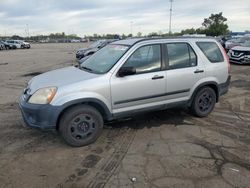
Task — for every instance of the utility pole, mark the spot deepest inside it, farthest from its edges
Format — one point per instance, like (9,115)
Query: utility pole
(28,31)
(131,28)
(170,17)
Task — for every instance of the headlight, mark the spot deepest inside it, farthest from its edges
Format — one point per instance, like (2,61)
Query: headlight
(43,96)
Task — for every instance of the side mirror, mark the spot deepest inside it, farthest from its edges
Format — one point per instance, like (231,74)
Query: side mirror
(125,71)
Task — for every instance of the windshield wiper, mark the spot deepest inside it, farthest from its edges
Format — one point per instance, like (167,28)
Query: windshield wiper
(86,68)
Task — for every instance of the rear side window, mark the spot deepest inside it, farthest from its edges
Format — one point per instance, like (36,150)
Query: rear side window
(211,51)
(180,55)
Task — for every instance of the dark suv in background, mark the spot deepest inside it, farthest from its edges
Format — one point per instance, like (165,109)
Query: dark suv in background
(83,52)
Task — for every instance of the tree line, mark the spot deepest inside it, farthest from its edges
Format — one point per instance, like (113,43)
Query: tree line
(214,25)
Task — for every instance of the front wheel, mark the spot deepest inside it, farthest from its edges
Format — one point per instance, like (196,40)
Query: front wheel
(81,125)
(203,102)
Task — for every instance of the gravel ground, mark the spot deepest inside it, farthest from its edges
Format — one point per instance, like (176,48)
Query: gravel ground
(168,148)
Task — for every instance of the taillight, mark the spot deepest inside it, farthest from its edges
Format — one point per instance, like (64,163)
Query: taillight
(227,59)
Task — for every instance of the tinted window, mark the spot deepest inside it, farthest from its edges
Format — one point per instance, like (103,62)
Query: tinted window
(180,55)
(145,59)
(211,51)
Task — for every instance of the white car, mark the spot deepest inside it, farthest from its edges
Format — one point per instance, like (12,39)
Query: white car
(14,44)
(240,54)
(25,44)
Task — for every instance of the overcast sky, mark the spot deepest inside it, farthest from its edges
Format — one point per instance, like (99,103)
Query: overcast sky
(85,17)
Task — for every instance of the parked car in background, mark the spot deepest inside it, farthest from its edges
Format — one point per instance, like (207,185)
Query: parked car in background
(2,46)
(25,44)
(81,53)
(80,61)
(240,54)
(124,78)
(235,42)
(7,45)
(14,44)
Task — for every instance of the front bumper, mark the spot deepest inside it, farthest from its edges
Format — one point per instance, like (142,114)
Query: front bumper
(245,59)
(39,116)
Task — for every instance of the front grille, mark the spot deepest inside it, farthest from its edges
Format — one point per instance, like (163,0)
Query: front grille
(238,52)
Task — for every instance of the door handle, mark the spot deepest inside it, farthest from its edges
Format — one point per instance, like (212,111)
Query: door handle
(157,77)
(198,71)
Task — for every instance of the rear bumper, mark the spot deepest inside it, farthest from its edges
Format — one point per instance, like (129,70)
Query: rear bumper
(39,116)
(224,87)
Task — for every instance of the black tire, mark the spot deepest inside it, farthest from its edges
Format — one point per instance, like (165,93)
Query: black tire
(203,102)
(81,125)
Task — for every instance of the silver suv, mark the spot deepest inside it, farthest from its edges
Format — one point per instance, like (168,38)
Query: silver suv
(124,78)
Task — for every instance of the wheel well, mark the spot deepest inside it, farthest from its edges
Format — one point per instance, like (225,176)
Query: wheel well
(211,85)
(215,88)
(97,106)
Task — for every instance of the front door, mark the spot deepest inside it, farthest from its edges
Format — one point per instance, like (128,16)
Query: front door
(143,89)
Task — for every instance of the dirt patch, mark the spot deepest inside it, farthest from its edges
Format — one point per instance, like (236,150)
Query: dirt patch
(241,84)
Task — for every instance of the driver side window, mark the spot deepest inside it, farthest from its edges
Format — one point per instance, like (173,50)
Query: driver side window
(145,59)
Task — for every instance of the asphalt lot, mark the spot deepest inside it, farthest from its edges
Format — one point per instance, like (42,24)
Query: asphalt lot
(168,148)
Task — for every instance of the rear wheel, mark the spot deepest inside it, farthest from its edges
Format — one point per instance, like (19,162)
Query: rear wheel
(81,125)
(203,102)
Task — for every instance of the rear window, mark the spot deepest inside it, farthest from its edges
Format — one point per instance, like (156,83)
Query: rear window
(211,51)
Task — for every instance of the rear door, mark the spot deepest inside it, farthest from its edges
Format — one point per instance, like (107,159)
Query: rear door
(184,70)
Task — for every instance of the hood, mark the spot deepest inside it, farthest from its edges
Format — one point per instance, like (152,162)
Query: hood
(59,78)
(241,48)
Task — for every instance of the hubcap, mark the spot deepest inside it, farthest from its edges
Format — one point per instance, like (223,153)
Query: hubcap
(82,126)
(205,101)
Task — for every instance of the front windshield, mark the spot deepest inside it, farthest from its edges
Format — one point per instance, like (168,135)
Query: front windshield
(103,60)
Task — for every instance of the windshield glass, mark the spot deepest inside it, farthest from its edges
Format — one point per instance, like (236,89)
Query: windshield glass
(246,43)
(243,39)
(103,60)
(96,44)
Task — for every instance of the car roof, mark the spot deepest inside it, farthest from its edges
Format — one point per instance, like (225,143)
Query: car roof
(132,41)
(128,42)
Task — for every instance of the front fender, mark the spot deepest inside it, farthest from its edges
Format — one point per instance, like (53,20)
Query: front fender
(80,96)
